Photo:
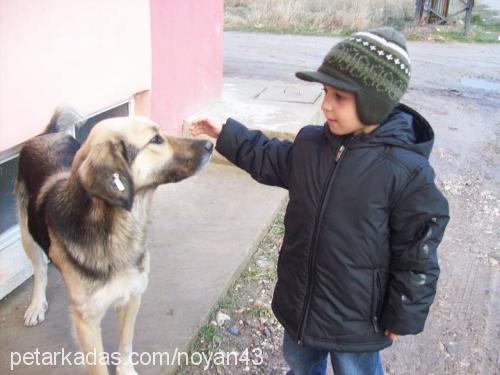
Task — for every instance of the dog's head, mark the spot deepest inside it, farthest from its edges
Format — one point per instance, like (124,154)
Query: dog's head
(124,155)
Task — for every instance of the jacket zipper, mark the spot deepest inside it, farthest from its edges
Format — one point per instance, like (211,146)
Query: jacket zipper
(312,255)
(376,301)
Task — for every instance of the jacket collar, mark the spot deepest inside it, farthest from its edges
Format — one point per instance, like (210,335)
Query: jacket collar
(404,127)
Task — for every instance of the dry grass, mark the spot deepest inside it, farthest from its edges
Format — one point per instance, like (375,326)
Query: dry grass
(316,16)
(248,303)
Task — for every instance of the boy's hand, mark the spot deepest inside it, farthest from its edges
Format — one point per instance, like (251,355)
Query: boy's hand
(205,126)
(391,335)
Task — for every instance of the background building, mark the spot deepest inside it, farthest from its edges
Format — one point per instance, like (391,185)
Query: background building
(157,58)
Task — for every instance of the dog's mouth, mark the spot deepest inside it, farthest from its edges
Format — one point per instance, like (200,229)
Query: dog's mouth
(188,162)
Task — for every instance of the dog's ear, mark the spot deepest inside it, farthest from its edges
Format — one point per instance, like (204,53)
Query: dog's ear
(105,174)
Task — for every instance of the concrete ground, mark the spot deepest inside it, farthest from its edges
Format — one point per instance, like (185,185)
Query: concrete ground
(205,228)
(202,232)
(456,86)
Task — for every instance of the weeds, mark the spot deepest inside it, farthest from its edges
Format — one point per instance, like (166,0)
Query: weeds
(485,29)
(209,335)
(324,17)
(248,303)
(343,17)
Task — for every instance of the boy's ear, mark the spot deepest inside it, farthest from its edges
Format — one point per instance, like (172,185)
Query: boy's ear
(105,174)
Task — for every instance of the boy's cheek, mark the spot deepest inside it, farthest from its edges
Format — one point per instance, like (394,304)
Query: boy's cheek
(335,127)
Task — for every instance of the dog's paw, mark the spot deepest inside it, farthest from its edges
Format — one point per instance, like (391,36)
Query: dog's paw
(126,369)
(35,313)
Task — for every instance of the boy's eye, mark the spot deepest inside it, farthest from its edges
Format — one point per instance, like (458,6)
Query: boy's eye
(157,140)
(339,97)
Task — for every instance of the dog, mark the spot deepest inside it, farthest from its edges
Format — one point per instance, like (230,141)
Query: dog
(86,208)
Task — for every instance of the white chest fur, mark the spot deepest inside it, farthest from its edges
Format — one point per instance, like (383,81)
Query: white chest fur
(115,292)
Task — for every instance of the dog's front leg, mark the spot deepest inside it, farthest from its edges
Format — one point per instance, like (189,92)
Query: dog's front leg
(126,315)
(90,339)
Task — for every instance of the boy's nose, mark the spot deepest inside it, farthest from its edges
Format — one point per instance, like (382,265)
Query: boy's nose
(326,106)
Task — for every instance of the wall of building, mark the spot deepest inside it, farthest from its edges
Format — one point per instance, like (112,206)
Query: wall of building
(163,55)
(88,53)
(187,42)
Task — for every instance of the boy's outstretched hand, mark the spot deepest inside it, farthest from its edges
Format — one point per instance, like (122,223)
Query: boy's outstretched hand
(205,126)
(391,335)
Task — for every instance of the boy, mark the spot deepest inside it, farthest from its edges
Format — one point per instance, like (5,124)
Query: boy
(358,266)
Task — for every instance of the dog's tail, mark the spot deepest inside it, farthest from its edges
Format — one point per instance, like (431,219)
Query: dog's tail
(63,119)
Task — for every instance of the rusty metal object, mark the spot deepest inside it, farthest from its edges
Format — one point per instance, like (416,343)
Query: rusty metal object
(437,12)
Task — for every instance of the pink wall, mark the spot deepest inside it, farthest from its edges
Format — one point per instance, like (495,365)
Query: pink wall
(89,53)
(187,41)
(93,54)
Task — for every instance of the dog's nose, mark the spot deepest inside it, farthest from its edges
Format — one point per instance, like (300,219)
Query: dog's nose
(209,146)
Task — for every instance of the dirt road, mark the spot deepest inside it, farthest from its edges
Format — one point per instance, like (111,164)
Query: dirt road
(492,4)
(457,88)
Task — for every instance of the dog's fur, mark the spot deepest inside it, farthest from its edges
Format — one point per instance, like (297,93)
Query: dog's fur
(86,208)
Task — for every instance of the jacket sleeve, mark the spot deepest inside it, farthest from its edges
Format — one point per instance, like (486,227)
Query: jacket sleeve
(418,220)
(267,160)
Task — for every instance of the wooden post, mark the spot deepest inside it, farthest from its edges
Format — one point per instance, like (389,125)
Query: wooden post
(446,8)
(419,7)
(431,16)
(468,18)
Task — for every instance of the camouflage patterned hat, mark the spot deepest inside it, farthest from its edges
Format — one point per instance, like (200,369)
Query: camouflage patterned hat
(372,64)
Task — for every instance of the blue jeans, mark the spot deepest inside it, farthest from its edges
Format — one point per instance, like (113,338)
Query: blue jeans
(310,361)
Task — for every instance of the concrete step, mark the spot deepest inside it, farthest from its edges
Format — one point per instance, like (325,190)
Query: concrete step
(15,268)
(203,231)
(278,109)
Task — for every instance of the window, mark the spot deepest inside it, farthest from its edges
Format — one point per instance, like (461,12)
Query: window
(8,216)
(9,230)
(82,132)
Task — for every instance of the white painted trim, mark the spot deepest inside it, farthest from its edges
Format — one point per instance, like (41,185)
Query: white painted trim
(10,153)
(15,268)
(9,236)
(131,106)
(109,108)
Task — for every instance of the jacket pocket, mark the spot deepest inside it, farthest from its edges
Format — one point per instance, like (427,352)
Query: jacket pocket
(376,299)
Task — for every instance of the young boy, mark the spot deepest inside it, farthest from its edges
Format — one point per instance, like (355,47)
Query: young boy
(358,266)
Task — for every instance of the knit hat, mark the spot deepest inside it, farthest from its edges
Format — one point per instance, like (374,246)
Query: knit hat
(374,65)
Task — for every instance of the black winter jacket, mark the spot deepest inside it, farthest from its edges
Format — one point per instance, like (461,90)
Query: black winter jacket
(362,227)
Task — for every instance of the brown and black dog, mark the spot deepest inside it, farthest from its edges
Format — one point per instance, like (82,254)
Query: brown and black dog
(86,207)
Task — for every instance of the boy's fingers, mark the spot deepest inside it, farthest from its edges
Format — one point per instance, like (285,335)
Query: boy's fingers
(390,335)
(199,122)
(197,129)
(204,126)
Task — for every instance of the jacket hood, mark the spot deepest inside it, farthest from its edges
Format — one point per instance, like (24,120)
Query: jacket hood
(404,128)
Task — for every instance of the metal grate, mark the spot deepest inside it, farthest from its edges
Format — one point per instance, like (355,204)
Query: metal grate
(82,132)
(8,215)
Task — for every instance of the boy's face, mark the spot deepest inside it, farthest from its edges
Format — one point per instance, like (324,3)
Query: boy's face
(339,108)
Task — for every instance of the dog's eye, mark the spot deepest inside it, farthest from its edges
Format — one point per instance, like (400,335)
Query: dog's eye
(157,140)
